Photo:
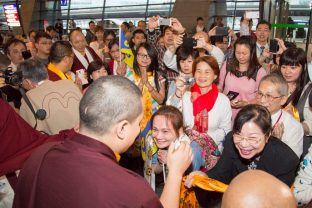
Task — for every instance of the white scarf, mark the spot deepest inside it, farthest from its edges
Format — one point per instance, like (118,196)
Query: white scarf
(82,59)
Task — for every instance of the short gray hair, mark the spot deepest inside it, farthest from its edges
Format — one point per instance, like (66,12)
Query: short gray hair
(277,80)
(33,70)
(108,101)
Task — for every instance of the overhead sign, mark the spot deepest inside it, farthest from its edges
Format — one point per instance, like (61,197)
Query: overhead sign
(11,15)
(63,2)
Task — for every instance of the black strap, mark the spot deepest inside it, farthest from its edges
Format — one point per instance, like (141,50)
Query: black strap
(22,91)
(302,101)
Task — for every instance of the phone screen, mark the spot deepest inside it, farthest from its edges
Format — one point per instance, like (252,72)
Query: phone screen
(232,95)
(274,46)
(222,31)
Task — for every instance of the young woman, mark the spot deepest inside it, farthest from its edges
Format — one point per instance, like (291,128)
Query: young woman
(117,66)
(98,44)
(96,69)
(148,78)
(293,67)
(241,74)
(167,127)
(185,57)
(204,108)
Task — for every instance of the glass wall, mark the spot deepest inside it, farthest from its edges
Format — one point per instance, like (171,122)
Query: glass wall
(110,13)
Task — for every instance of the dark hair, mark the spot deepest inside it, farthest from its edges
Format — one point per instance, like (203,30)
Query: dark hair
(126,24)
(40,35)
(199,18)
(31,31)
(263,22)
(211,61)
(137,31)
(254,65)
(165,28)
(97,29)
(109,32)
(113,42)
(91,22)
(100,108)
(153,67)
(33,70)
(183,53)
(94,66)
(295,57)
(59,50)
(310,100)
(12,41)
(50,28)
(257,114)
(172,114)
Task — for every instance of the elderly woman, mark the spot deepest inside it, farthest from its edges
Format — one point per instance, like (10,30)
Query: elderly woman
(204,108)
(250,146)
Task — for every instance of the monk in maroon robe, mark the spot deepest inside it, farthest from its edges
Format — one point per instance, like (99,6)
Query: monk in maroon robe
(83,171)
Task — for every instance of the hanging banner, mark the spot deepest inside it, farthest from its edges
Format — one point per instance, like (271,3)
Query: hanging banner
(11,15)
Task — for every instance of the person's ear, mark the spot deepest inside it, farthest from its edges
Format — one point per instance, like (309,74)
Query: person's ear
(37,45)
(122,129)
(28,85)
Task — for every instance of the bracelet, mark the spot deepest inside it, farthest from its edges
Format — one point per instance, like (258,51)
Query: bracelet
(177,95)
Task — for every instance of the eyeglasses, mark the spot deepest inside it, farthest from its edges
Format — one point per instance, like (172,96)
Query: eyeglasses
(145,56)
(260,95)
(237,138)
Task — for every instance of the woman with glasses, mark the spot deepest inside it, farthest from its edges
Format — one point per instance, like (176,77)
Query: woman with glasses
(241,74)
(149,79)
(250,146)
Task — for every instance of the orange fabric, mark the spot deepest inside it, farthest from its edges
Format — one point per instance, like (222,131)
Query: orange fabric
(187,196)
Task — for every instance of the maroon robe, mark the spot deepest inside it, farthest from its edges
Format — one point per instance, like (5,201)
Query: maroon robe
(80,172)
(78,65)
(53,77)
(18,139)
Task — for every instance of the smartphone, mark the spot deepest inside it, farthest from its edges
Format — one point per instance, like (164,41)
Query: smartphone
(189,42)
(164,21)
(81,74)
(252,14)
(232,95)
(222,31)
(26,54)
(274,46)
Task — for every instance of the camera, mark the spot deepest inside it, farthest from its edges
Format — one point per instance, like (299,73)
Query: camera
(10,77)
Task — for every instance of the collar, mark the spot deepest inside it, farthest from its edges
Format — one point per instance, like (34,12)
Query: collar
(95,146)
(275,116)
(259,46)
(58,72)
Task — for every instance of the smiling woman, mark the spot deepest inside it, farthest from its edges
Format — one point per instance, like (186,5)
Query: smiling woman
(251,146)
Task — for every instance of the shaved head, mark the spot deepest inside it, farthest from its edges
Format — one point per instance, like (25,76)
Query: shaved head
(257,189)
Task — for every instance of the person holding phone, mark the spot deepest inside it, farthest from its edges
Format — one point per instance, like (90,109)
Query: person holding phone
(241,74)
(204,108)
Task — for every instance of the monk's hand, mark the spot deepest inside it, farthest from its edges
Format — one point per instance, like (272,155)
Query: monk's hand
(189,180)
(179,157)
(278,130)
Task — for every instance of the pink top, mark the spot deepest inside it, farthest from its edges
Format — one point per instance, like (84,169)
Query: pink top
(244,86)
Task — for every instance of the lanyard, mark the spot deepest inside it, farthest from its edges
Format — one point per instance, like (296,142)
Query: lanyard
(278,119)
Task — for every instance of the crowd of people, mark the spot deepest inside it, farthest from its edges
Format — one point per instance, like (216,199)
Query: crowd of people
(100,126)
